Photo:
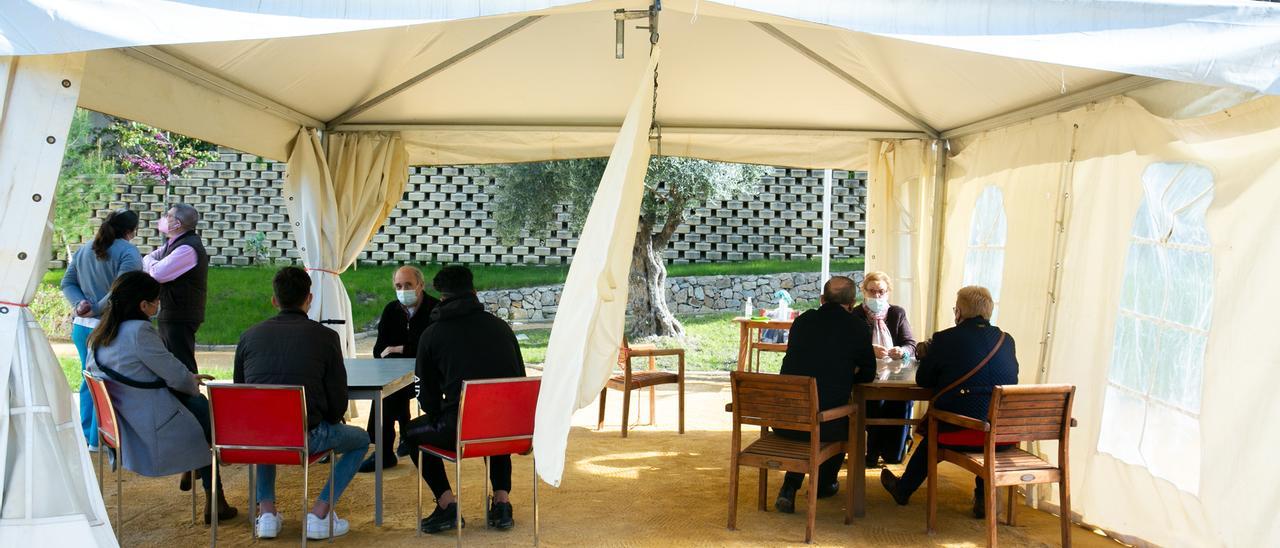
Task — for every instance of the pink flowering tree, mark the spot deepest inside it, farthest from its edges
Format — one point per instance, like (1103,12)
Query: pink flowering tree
(156,156)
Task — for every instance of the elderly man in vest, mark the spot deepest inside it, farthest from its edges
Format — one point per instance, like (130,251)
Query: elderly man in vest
(182,267)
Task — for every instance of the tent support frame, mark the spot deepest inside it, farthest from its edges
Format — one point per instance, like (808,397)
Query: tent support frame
(436,69)
(1115,87)
(804,50)
(868,134)
(940,147)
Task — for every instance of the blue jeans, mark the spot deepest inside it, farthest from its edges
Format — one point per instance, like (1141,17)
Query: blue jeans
(88,415)
(349,442)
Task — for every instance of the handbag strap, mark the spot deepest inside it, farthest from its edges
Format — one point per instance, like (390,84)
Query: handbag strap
(972,372)
(127,381)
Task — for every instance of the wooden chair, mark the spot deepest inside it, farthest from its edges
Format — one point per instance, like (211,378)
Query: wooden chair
(780,401)
(630,380)
(1017,414)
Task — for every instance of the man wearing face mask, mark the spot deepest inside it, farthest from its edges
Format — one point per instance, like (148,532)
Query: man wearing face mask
(891,338)
(181,266)
(401,325)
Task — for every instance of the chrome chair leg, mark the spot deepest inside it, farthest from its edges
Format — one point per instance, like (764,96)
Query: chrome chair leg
(333,490)
(535,502)
(486,492)
(193,498)
(213,495)
(457,496)
(417,470)
(253,502)
(119,497)
(306,476)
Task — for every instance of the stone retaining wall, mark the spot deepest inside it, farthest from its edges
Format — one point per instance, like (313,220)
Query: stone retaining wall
(687,295)
(445,217)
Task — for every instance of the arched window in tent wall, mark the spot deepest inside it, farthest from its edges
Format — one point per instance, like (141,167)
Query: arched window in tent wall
(988,229)
(1151,409)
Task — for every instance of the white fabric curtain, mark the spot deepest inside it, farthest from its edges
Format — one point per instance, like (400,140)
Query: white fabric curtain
(48,492)
(587,333)
(900,192)
(337,200)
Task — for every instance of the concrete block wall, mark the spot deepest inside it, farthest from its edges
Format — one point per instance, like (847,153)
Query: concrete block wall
(445,217)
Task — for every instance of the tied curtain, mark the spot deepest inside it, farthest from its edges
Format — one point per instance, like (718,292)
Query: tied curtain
(587,333)
(338,197)
(48,493)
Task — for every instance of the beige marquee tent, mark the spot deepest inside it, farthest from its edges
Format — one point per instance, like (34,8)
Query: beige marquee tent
(1107,167)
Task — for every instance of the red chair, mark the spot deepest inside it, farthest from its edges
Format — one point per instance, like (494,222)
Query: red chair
(495,417)
(262,424)
(109,436)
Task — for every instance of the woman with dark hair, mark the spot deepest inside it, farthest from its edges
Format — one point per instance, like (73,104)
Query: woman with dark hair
(165,418)
(90,273)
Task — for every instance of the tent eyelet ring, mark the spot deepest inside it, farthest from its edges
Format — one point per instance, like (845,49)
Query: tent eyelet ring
(66,83)
(22,255)
(50,139)
(36,197)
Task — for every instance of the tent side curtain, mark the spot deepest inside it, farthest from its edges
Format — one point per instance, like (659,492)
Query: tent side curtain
(338,197)
(1166,265)
(900,208)
(48,493)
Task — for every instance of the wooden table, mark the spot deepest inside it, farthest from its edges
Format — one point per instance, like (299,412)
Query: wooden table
(894,381)
(748,341)
(375,379)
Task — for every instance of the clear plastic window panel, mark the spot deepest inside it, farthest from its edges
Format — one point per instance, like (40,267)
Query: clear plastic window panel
(1151,409)
(988,230)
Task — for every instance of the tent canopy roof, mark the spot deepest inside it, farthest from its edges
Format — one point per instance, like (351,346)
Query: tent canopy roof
(822,74)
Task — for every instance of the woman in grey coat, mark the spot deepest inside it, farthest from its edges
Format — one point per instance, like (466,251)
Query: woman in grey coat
(164,420)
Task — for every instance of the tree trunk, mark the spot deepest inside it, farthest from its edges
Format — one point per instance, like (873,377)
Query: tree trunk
(647,296)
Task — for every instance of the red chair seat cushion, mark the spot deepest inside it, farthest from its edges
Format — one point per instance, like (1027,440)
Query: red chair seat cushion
(266,456)
(966,438)
(442,453)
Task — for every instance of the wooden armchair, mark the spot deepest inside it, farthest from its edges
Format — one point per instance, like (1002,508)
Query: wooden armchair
(780,401)
(1017,414)
(630,380)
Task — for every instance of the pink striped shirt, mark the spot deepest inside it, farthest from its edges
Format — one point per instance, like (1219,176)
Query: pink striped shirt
(177,263)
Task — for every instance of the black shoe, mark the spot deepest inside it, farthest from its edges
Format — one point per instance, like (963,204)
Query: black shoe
(403,450)
(500,516)
(442,519)
(873,463)
(184,484)
(368,466)
(225,511)
(979,505)
(786,502)
(890,483)
(828,490)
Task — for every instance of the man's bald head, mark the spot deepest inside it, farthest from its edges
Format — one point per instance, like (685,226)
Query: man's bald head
(838,290)
(406,275)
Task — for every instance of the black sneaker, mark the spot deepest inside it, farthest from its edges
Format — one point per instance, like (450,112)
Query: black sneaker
(828,490)
(500,516)
(369,466)
(403,450)
(442,519)
(890,483)
(786,501)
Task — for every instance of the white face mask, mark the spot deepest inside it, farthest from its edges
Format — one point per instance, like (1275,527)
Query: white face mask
(876,306)
(407,297)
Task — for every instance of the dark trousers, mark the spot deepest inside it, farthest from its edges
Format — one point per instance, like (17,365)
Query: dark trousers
(395,409)
(918,467)
(180,339)
(199,406)
(887,442)
(829,470)
(442,433)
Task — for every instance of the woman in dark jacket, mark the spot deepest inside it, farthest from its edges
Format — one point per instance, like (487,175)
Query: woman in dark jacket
(952,354)
(401,325)
(891,338)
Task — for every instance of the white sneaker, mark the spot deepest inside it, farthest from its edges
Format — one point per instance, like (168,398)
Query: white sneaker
(268,525)
(318,528)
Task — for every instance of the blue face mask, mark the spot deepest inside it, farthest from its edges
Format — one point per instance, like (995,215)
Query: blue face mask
(407,297)
(876,306)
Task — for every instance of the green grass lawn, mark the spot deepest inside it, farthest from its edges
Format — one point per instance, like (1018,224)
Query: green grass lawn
(241,297)
(71,368)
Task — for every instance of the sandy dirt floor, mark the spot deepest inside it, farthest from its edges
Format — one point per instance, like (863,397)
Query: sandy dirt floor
(655,488)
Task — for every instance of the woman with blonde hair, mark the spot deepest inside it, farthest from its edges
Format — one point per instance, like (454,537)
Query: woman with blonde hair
(891,338)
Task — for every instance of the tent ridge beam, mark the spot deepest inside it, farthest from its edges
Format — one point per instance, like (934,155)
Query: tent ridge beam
(436,69)
(848,78)
(157,57)
(1057,104)
(612,128)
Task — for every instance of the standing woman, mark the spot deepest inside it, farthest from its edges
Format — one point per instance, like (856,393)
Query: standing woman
(89,276)
(891,338)
(164,417)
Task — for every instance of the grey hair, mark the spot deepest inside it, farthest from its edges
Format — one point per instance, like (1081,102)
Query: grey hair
(186,215)
(417,275)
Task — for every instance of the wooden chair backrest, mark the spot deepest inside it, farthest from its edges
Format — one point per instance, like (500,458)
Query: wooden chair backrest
(779,401)
(1031,412)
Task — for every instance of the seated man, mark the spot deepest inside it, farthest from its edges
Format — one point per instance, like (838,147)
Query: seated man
(463,342)
(832,346)
(953,353)
(401,325)
(292,349)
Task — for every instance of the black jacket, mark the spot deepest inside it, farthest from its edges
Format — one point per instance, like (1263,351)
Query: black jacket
(396,328)
(956,351)
(182,299)
(832,346)
(463,342)
(896,320)
(293,349)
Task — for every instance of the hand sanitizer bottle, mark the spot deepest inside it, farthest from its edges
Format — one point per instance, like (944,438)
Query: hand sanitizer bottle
(746,312)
